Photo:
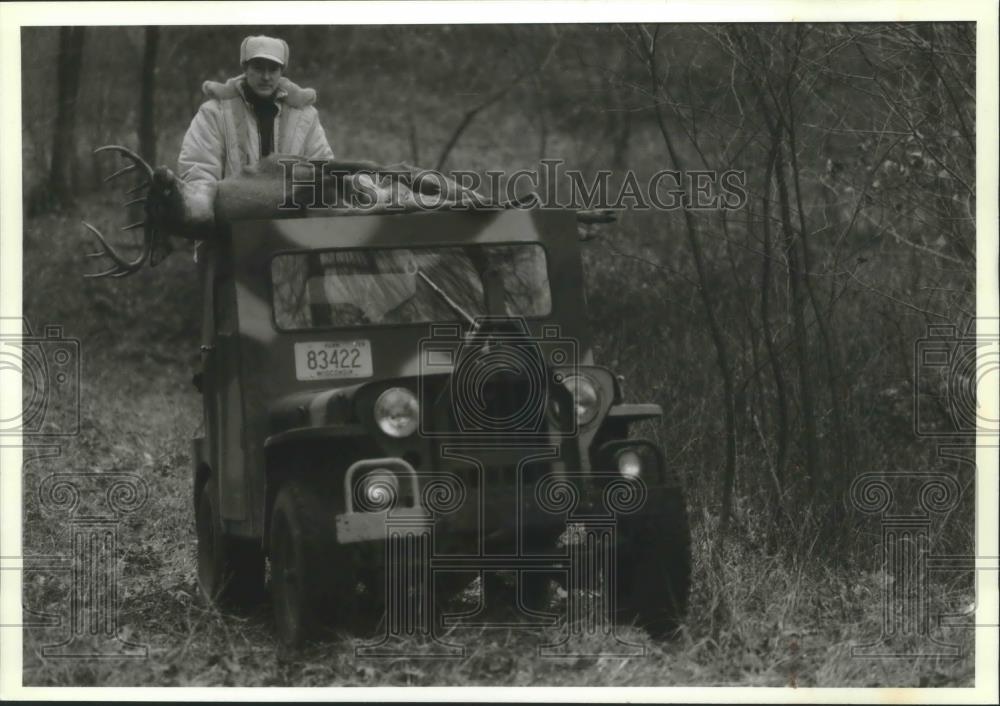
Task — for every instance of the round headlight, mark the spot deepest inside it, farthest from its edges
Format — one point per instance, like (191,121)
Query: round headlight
(380,488)
(397,412)
(586,399)
(629,464)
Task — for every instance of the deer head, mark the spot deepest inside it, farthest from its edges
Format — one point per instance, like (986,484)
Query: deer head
(154,248)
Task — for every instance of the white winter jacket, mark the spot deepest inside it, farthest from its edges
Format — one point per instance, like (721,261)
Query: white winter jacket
(223,138)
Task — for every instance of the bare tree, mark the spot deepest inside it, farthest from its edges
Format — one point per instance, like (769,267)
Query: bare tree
(63,166)
(147,102)
(705,291)
(490,99)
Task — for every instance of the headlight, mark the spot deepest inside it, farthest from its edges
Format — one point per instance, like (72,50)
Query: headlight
(397,412)
(629,464)
(380,489)
(586,398)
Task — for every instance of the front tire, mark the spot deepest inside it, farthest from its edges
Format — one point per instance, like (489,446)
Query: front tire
(653,579)
(311,579)
(230,571)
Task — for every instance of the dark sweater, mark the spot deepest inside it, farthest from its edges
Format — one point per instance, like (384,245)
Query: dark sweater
(265,109)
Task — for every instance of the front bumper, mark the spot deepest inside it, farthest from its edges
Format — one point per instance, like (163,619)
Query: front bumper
(384,496)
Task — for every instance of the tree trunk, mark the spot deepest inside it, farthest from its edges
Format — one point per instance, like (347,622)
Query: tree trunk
(63,165)
(769,340)
(810,438)
(147,104)
(840,449)
(796,275)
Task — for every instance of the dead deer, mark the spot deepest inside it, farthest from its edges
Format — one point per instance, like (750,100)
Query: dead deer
(155,246)
(256,192)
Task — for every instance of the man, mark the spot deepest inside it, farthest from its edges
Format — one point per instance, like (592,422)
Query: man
(243,121)
(248,118)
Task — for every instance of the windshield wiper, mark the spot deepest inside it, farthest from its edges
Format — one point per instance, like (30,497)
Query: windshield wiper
(452,304)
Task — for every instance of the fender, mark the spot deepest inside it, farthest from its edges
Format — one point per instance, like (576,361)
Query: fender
(634,412)
(313,433)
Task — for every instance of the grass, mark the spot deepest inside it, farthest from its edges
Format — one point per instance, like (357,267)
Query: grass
(759,616)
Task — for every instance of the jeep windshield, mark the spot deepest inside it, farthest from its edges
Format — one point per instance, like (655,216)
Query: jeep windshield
(319,289)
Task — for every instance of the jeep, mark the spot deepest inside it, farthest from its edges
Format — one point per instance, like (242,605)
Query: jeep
(362,374)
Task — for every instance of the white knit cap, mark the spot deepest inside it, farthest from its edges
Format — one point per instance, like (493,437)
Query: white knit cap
(262,47)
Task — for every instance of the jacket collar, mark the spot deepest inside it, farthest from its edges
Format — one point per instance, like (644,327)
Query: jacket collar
(288,92)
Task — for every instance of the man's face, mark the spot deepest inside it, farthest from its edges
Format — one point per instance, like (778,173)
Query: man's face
(262,76)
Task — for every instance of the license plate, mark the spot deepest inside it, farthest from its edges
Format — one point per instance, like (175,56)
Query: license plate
(329,360)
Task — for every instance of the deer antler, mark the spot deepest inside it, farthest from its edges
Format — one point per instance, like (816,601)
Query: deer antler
(121,266)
